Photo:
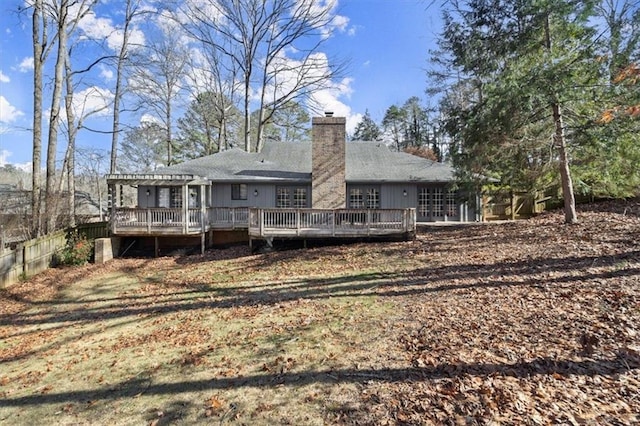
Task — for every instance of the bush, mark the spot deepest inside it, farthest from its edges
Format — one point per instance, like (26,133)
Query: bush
(77,251)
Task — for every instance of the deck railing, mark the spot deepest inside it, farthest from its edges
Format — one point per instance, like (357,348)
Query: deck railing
(265,223)
(228,217)
(159,221)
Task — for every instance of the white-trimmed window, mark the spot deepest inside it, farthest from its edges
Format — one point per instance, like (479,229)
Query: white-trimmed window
(451,203)
(437,202)
(300,198)
(239,191)
(176,196)
(356,198)
(373,198)
(283,197)
(423,202)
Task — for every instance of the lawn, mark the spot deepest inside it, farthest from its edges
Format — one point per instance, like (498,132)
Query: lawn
(533,322)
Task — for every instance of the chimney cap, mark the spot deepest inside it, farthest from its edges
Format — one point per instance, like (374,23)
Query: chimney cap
(328,113)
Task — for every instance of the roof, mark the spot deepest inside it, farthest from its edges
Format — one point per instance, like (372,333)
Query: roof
(291,162)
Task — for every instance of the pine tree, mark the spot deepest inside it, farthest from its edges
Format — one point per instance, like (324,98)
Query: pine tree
(366,129)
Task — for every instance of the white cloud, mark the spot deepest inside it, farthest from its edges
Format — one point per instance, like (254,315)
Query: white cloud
(150,119)
(8,113)
(4,78)
(92,101)
(26,65)
(329,99)
(106,73)
(102,29)
(340,23)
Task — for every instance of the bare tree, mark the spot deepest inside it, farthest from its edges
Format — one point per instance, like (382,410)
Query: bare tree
(92,165)
(60,15)
(211,75)
(158,81)
(39,38)
(133,10)
(256,36)
(66,25)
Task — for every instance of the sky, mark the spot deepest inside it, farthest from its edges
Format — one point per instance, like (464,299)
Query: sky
(386,43)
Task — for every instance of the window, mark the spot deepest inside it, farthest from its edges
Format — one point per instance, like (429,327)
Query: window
(451,203)
(437,202)
(356,199)
(300,198)
(239,191)
(423,202)
(164,200)
(373,198)
(283,197)
(176,196)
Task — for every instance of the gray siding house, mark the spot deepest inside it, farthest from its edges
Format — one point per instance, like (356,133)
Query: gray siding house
(324,188)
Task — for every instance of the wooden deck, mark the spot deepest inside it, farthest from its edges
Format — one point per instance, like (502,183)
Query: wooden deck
(174,221)
(340,223)
(265,223)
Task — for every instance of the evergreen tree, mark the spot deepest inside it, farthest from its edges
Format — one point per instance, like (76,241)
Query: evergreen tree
(512,114)
(204,130)
(143,149)
(393,124)
(366,129)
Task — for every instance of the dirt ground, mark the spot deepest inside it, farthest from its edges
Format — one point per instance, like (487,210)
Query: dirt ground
(533,322)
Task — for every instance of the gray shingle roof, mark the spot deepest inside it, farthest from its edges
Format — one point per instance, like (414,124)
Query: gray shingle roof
(291,161)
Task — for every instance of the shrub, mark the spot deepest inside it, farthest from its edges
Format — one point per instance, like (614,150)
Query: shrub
(77,251)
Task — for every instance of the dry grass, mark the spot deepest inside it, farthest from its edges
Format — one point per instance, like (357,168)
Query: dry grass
(531,322)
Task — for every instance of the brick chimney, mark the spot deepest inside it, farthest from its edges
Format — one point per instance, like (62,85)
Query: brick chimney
(328,136)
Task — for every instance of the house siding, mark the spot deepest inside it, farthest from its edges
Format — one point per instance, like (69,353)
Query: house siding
(266,198)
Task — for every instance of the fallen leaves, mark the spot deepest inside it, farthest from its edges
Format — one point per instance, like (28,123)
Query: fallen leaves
(531,322)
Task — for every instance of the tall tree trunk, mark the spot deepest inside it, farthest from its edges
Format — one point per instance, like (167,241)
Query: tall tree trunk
(570,215)
(169,136)
(247,116)
(54,120)
(71,146)
(37,119)
(122,56)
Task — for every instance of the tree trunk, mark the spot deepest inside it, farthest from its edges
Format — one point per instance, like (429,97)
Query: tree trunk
(71,146)
(37,120)
(570,215)
(247,116)
(54,120)
(168,135)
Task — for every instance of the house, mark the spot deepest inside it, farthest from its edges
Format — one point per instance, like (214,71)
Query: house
(326,188)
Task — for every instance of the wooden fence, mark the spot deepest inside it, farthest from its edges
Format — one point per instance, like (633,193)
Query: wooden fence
(511,205)
(35,256)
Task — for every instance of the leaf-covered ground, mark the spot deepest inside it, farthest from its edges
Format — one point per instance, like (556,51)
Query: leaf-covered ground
(531,322)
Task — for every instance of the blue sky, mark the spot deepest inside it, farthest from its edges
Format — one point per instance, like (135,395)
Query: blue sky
(385,41)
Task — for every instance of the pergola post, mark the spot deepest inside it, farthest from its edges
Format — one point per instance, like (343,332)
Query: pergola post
(203,218)
(185,208)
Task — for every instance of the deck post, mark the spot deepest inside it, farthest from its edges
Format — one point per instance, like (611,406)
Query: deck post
(156,248)
(185,209)
(203,210)
(298,222)
(148,221)
(202,242)
(333,223)
(261,225)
